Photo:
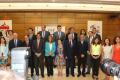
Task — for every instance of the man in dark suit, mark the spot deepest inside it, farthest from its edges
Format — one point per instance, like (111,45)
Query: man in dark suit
(26,42)
(59,35)
(82,54)
(69,46)
(74,34)
(89,40)
(39,55)
(32,37)
(15,42)
(95,34)
(75,39)
(44,34)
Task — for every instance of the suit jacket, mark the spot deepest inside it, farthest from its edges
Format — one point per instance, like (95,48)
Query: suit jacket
(82,48)
(12,44)
(68,49)
(75,42)
(31,40)
(36,48)
(56,36)
(25,44)
(47,33)
(75,36)
(47,49)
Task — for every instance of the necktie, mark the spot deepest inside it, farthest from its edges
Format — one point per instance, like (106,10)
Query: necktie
(71,43)
(38,42)
(43,34)
(73,35)
(27,43)
(59,34)
(15,42)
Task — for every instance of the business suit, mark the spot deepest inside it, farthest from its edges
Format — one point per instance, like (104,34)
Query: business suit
(25,44)
(31,60)
(14,44)
(69,55)
(45,36)
(59,35)
(82,50)
(75,38)
(89,63)
(49,58)
(39,60)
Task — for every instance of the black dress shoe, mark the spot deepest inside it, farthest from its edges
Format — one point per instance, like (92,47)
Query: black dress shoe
(67,75)
(51,74)
(87,72)
(83,75)
(42,76)
(78,75)
(48,75)
(73,75)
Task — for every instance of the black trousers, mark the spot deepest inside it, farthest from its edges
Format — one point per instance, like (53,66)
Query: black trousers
(95,66)
(39,63)
(89,63)
(49,65)
(81,62)
(70,65)
(32,65)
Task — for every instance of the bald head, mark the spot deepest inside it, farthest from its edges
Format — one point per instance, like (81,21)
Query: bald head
(15,35)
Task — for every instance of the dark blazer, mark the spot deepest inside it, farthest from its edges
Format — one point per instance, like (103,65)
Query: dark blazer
(25,44)
(47,33)
(68,50)
(56,36)
(12,44)
(32,39)
(82,48)
(75,41)
(37,49)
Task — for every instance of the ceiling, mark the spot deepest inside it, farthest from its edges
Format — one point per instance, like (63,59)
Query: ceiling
(70,5)
(116,2)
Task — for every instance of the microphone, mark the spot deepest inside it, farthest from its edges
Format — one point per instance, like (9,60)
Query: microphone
(110,68)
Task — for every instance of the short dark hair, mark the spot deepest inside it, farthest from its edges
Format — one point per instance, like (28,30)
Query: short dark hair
(30,29)
(58,26)
(38,34)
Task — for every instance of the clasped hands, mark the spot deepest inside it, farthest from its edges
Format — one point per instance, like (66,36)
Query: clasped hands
(38,54)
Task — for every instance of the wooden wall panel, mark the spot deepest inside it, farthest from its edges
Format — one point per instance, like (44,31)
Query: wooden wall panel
(24,20)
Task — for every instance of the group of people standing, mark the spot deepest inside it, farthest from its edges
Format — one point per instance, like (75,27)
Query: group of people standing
(70,49)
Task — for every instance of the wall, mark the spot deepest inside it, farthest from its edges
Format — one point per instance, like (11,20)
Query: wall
(24,20)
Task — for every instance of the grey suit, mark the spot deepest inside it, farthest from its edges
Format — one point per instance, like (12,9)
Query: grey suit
(58,35)
(47,33)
